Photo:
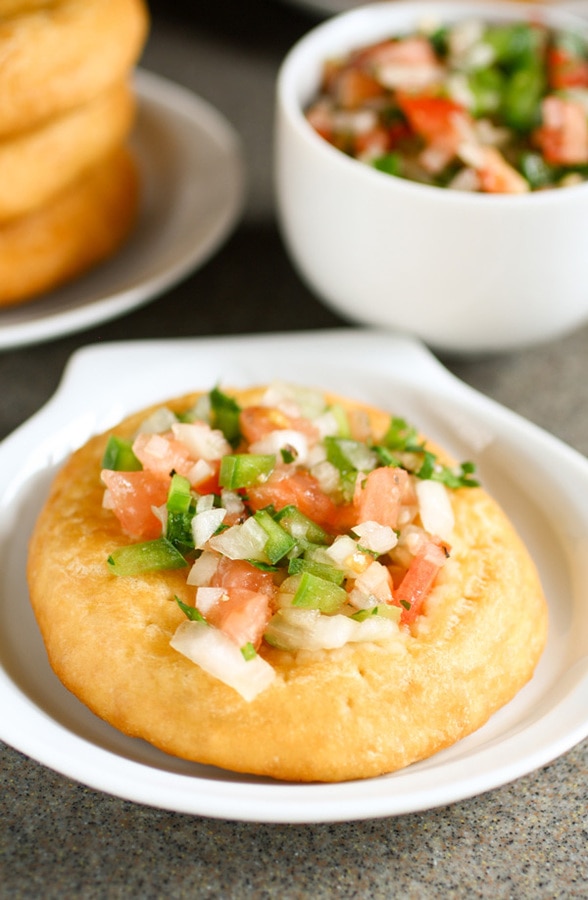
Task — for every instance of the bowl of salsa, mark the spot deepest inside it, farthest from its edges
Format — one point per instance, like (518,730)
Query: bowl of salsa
(432,168)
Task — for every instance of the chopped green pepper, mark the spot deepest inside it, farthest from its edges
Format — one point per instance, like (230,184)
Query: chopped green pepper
(148,556)
(119,455)
(242,469)
(318,593)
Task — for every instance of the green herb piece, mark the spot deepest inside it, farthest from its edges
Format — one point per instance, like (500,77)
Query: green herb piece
(400,435)
(330,573)
(439,40)
(243,469)
(318,593)
(149,556)
(389,163)
(263,566)
(279,542)
(224,414)
(178,530)
(248,651)
(459,478)
(119,456)
(191,612)
(427,469)
(385,610)
(350,456)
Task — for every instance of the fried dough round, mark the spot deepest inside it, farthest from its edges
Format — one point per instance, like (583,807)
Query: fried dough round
(58,54)
(361,711)
(36,165)
(81,227)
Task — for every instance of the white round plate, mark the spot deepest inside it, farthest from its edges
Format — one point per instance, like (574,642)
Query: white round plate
(529,472)
(193,186)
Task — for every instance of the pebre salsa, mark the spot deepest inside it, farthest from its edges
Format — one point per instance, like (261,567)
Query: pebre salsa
(488,108)
(296,526)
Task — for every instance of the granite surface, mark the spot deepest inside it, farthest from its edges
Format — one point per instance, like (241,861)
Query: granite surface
(58,838)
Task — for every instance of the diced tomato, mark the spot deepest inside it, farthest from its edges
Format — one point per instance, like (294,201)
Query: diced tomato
(379,496)
(238,573)
(410,51)
(497,176)
(354,88)
(375,142)
(563,136)
(418,581)
(131,495)
(397,132)
(258,421)
(162,454)
(320,117)
(297,488)
(242,614)
(436,119)
(565,70)
(210,484)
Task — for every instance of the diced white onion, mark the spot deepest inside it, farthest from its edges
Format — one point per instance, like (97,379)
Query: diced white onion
(375,537)
(160,512)
(435,509)
(200,471)
(205,501)
(463,37)
(159,421)
(202,441)
(376,582)
(345,554)
(308,629)
(359,600)
(204,525)
(232,502)
(407,76)
(203,569)
(282,439)
(295,399)
(327,475)
(207,598)
(246,541)
(326,424)
(342,547)
(156,446)
(214,652)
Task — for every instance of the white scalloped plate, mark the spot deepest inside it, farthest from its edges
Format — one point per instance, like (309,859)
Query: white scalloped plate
(193,186)
(542,483)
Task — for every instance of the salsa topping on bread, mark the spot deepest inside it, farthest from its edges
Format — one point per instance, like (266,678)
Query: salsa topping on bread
(298,526)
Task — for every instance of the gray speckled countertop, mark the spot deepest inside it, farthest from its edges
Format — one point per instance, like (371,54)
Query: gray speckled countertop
(61,839)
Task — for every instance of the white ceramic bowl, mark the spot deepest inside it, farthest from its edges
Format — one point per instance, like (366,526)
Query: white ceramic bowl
(465,272)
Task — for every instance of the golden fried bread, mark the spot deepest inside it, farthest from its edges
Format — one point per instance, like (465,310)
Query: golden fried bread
(361,710)
(58,54)
(38,164)
(85,224)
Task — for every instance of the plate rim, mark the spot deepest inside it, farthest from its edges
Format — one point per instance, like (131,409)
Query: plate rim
(184,106)
(277,802)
